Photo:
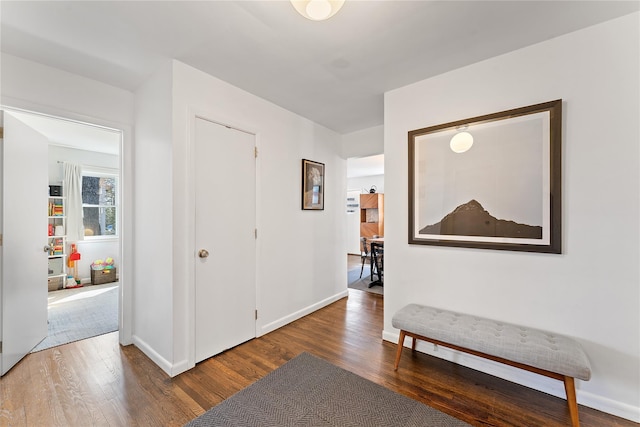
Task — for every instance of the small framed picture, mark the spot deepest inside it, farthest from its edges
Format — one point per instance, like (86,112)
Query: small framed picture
(312,185)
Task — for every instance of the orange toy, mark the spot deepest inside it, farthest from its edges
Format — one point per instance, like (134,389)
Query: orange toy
(74,257)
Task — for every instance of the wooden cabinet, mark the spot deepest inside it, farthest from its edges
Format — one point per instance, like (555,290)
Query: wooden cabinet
(371,215)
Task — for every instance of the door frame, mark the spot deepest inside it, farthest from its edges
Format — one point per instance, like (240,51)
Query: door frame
(125,298)
(194,114)
(356,222)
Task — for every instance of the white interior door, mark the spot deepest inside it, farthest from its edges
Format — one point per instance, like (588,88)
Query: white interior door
(225,280)
(24,261)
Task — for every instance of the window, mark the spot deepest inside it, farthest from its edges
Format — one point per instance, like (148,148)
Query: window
(100,204)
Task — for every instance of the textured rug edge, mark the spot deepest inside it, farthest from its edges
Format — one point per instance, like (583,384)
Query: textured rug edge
(324,398)
(60,333)
(354,281)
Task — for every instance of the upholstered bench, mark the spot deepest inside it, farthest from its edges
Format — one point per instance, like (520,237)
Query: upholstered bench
(544,353)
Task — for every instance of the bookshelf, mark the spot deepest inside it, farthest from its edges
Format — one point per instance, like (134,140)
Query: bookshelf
(56,243)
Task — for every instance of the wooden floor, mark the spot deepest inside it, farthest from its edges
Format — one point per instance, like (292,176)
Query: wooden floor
(97,382)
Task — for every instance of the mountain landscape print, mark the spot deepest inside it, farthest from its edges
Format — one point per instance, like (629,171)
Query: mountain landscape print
(471,219)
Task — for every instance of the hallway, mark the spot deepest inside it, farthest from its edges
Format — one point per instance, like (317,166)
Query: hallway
(97,382)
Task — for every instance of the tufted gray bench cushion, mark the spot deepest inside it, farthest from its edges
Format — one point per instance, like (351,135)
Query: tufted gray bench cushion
(533,347)
(546,353)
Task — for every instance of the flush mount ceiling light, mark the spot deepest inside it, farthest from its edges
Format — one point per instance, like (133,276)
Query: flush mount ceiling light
(461,141)
(317,10)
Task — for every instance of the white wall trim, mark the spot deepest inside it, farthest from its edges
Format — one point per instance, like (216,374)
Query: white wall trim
(265,329)
(609,406)
(180,367)
(522,377)
(163,363)
(170,369)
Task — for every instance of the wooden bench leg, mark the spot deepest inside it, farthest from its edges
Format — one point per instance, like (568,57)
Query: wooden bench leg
(570,389)
(399,351)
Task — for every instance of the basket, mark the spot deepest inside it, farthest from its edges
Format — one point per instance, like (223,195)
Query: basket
(99,277)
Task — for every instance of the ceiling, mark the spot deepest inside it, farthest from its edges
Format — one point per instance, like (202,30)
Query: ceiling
(365,166)
(333,72)
(71,134)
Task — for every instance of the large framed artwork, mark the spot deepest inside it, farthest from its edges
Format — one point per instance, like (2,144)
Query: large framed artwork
(491,182)
(312,185)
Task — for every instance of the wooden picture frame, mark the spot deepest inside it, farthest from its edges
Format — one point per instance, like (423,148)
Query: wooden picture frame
(312,185)
(504,192)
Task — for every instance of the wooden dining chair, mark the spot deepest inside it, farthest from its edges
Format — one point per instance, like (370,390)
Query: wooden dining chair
(364,253)
(377,263)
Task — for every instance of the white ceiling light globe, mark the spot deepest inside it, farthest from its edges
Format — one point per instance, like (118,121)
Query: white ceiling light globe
(318,9)
(461,142)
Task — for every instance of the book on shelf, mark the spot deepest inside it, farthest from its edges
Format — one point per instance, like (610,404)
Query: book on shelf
(56,209)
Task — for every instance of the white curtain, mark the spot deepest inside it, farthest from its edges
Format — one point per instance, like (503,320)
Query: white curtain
(72,190)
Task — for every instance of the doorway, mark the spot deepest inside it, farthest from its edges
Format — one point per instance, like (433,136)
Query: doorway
(94,148)
(364,174)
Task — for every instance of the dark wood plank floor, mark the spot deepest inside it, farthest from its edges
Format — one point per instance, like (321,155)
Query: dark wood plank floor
(97,382)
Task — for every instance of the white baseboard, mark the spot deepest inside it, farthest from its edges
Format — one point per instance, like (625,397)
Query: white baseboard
(613,407)
(175,369)
(163,363)
(270,327)
(123,338)
(522,377)
(180,367)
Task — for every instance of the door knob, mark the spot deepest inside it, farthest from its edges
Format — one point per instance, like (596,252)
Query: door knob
(47,248)
(203,253)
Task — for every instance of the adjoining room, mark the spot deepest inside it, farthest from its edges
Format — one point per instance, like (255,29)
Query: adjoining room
(83,227)
(365,221)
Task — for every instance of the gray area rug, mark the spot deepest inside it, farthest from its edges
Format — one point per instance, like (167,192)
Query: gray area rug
(355,282)
(77,314)
(308,391)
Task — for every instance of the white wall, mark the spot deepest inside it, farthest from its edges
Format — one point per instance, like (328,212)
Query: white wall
(154,250)
(84,157)
(363,143)
(89,250)
(39,88)
(301,262)
(591,291)
(1,212)
(364,183)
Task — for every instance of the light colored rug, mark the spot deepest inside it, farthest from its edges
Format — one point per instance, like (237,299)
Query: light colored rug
(309,391)
(355,282)
(80,313)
